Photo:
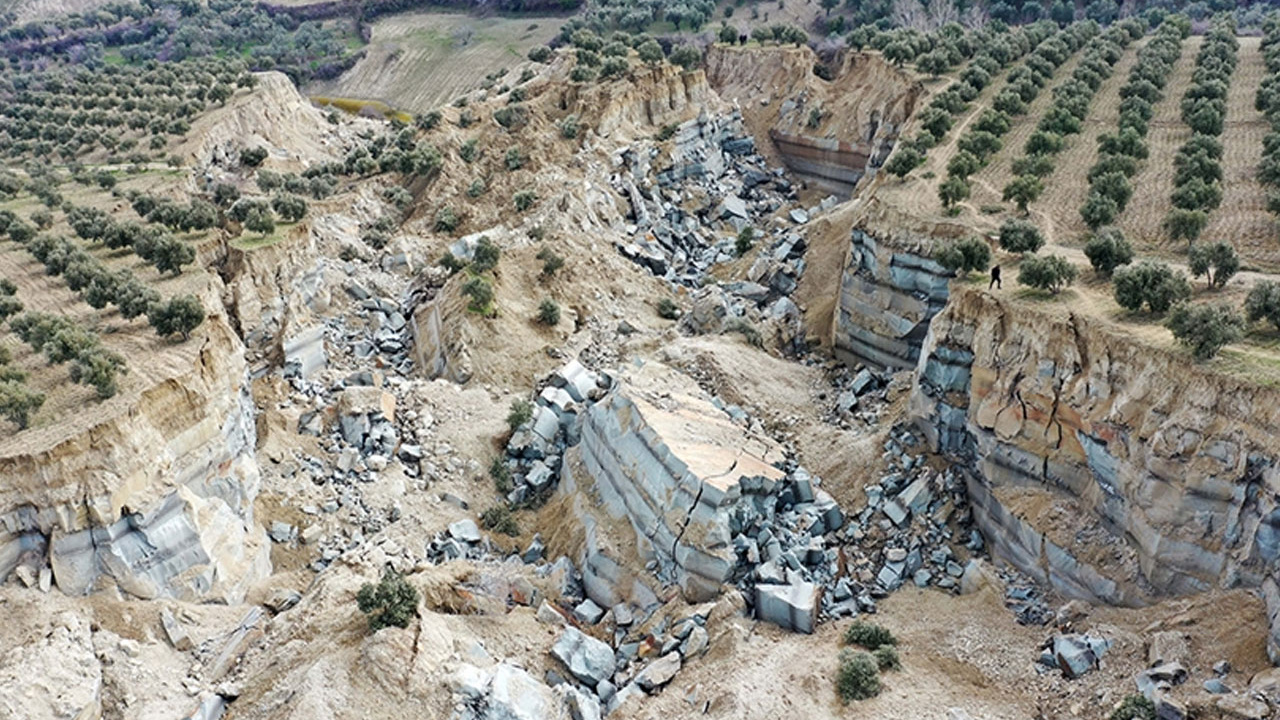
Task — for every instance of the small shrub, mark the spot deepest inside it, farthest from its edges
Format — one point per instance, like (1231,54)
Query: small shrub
(476,188)
(1205,329)
(9,307)
(551,262)
(887,658)
(469,151)
(569,127)
(499,519)
(18,403)
(524,200)
(451,263)
(868,635)
(520,413)
(549,312)
(748,331)
(668,310)
(858,677)
(446,220)
(512,117)
(1134,707)
(427,121)
(486,255)
(480,293)
(745,241)
(501,475)
(668,131)
(514,159)
(253,157)
(392,602)
(99,368)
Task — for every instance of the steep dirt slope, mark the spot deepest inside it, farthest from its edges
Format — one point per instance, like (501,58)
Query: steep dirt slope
(834,132)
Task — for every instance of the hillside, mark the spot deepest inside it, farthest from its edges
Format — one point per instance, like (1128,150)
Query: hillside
(343,376)
(418,61)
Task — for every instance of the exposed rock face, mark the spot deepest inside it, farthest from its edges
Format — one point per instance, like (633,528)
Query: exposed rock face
(888,293)
(656,97)
(859,112)
(1108,469)
(274,116)
(663,462)
(156,498)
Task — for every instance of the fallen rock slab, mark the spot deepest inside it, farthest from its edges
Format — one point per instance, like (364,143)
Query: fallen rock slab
(587,659)
(659,672)
(794,607)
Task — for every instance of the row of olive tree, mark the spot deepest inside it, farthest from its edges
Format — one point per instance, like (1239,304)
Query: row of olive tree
(1197,183)
(997,51)
(1268,102)
(1065,116)
(1120,152)
(982,139)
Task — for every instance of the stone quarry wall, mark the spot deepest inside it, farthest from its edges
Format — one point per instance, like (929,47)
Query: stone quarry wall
(862,108)
(439,335)
(889,291)
(834,163)
(665,480)
(155,498)
(1108,469)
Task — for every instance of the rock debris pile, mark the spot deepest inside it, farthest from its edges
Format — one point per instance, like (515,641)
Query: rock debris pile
(536,448)
(716,201)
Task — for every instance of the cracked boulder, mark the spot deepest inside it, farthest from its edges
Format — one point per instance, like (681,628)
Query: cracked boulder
(654,482)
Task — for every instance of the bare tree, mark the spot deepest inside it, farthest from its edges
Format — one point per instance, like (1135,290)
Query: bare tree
(908,13)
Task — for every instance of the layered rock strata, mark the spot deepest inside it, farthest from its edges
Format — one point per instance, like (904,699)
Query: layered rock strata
(1108,469)
(156,498)
(672,467)
(889,291)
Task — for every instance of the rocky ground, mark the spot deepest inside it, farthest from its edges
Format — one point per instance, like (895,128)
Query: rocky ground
(704,501)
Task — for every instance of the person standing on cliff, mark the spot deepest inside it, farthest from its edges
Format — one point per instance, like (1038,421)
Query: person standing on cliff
(995,278)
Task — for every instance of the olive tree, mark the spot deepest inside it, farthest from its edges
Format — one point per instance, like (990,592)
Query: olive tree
(1152,284)
(1047,272)
(1020,236)
(1205,329)
(1107,250)
(1218,262)
(1262,302)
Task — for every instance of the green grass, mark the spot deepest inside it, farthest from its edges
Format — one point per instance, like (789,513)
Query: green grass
(1259,363)
(256,242)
